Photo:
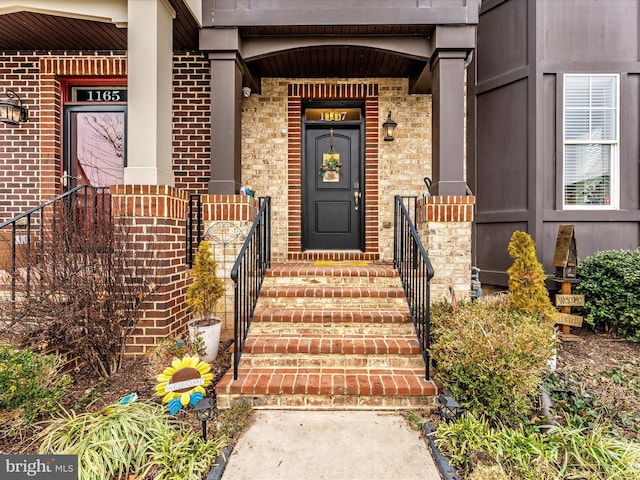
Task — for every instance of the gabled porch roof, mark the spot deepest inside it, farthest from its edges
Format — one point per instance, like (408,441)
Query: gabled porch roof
(310,39)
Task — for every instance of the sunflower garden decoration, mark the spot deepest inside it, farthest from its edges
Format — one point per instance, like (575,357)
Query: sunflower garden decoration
(183,383)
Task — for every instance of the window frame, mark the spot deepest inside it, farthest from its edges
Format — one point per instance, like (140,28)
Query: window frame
(614,167)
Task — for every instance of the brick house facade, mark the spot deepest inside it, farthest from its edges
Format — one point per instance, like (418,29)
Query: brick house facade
(267,140)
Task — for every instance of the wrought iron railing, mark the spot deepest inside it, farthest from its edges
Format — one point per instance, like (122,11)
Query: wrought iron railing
(248,273)
(414,267)
(194,228)
(23,237)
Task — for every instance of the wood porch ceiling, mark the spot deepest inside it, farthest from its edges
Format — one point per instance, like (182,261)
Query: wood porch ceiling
(26,31)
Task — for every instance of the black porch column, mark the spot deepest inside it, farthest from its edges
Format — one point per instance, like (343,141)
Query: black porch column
(226,108)
(226,103)
(452,47)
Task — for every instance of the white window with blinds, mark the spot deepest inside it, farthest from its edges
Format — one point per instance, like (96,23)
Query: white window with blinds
(591,141)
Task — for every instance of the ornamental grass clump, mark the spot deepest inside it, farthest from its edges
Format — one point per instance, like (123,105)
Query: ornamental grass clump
(137,439)
(564,452)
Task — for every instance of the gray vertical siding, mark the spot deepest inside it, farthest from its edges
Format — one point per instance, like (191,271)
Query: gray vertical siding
(524,48)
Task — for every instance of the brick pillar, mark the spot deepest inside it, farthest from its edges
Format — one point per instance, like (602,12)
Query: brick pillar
(227,220)
(444,225)
(156,218)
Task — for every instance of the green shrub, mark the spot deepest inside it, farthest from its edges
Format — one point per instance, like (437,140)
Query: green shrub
(490,357)
(610,282)
(136,438)
(30,385)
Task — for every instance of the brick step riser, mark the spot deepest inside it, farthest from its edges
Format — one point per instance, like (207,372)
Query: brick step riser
(333,328)
(332,360)
(319,291)
(363,345)
(328,281)
(331,303)
(318,316)
(328,402)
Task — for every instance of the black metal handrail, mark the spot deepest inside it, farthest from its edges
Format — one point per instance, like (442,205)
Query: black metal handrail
(416,272)
(84,205)
(248,273)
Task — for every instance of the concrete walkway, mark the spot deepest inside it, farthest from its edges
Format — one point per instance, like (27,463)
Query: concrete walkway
(337,445)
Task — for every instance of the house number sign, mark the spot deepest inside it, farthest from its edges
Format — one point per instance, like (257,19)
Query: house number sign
(332,114)
(99,94)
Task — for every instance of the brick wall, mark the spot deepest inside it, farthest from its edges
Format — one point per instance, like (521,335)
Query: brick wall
(271,160)
(156,217)
(191,122)
(31,154)
(444,226)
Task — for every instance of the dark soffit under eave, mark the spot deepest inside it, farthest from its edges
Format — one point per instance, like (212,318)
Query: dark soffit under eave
(37,31)
(343,62)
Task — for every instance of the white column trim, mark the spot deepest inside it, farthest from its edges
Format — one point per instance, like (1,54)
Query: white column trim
(150,102)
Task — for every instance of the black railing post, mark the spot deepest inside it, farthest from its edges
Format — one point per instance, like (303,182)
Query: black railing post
(415,270)
(193,238)
(248,273)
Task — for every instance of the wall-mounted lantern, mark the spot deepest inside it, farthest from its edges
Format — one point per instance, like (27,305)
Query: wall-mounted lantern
(389,129)
(12,112)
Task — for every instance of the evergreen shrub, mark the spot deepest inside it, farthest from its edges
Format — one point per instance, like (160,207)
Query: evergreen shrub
(526,278)
(610,282)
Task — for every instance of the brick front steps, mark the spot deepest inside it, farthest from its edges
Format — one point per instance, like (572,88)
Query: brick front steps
(326,337)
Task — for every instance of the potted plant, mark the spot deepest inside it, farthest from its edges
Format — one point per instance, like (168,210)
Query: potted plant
(203,296)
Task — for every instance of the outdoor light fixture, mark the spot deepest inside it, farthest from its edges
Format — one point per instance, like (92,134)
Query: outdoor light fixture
(389,128)
(448,408)
(203,411)
(12,112)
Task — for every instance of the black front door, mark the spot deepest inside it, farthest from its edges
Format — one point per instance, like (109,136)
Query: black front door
(333,203)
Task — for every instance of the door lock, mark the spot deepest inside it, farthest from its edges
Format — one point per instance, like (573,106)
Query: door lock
(356,197)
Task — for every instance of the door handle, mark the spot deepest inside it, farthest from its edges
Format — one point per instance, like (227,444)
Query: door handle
(356,197)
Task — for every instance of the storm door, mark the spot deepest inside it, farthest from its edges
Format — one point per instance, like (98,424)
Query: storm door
(333,204)
(94,155)
(94,145)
